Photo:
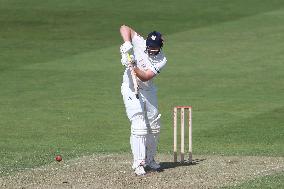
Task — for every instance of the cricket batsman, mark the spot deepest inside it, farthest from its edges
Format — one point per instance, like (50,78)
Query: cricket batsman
(143,60)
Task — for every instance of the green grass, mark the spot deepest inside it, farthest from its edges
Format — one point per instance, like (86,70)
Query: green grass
(60,76)
(271,181)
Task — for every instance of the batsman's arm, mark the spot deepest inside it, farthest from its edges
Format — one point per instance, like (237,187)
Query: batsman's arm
(126,33)
(144,75)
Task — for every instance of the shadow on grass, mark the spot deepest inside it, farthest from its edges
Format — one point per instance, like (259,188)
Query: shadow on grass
(172,165)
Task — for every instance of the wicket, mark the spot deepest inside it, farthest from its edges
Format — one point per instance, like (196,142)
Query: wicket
(182,135)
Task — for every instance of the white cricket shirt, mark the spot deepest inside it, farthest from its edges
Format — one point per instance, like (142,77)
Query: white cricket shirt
(144,62)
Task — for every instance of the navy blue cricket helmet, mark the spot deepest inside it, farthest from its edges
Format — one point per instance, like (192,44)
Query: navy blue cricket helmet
(154,43)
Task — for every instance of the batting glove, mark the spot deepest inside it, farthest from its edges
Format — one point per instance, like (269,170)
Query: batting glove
(124,59)
(126,47)
(132,61)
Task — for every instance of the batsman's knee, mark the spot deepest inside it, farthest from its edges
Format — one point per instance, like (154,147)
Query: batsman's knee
(155,124)
(138,125)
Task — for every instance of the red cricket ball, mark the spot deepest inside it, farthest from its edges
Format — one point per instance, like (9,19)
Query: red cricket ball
(58,158)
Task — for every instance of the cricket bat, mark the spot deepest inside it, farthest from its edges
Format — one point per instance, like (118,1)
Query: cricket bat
(134,79)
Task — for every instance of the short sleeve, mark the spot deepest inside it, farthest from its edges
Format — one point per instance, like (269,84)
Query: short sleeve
(156,67)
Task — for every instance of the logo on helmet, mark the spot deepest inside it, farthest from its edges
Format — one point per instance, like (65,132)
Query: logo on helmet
(153,37)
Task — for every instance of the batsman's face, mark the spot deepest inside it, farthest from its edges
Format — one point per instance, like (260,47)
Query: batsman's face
(153,50)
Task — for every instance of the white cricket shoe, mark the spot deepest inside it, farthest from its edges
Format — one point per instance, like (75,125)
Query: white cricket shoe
(139,171)
(153,165)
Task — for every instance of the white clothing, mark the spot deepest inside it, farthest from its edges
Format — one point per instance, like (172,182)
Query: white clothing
(144,62)
(139,171)
(138,148)
(126,47)
(146,105)
(151,146)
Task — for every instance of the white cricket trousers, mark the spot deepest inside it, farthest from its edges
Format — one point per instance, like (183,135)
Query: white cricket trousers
(145,125)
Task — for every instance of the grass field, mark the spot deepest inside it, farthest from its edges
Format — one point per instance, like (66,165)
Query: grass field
(60,76)
(272,181)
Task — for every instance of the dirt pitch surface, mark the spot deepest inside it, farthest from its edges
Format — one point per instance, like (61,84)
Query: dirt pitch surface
(114,171)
